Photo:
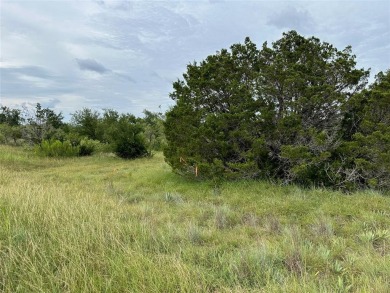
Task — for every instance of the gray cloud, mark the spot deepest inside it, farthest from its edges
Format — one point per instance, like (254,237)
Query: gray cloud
(27,81)
(129,52)
(115,4)
(33,71)
(292,18)
(94,66)
(91,65)
(124,77)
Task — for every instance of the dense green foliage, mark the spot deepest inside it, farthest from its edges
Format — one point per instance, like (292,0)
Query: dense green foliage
(9,116)
(10,121)
(124,133)
(86,122)
(56,148)
(287,112)
(89,131)
(364,154)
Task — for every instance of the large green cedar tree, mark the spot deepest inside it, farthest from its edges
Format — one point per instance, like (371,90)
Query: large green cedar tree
(277,112)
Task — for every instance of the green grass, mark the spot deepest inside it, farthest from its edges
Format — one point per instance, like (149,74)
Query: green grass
(102,224)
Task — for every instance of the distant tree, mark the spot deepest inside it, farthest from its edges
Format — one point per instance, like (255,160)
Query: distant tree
(10,134)
(9,116)
(42,124)
(122,133)
(126,136)
(107,125)
(86,123)
(10,125)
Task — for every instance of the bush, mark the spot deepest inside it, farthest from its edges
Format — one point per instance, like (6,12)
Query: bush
(130,149)
(56,148)
(2,138)
(118,133)
(10,134)
(125,135)
(87,147)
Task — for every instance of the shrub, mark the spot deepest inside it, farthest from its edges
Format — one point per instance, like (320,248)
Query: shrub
(56,148)
(126,137)
(10,134)
(87,147)
(130,148)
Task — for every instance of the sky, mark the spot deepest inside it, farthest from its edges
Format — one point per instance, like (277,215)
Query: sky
(125,55)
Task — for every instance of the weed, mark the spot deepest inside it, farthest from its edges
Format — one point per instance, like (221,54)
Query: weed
(224,217)
(250,219)
(194,235)
(173,198)
(272,224)
(294,263)
(322,227)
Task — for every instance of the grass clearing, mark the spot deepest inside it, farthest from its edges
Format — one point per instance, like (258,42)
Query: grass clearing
(104,224)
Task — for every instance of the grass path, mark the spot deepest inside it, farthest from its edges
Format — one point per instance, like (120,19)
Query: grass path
(101,224)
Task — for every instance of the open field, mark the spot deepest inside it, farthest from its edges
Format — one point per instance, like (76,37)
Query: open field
(102,224)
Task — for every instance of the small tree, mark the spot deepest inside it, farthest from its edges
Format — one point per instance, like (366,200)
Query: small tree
(10,133)
(86,122)
(42,124)
(10,125)
(9,116)
(125,135)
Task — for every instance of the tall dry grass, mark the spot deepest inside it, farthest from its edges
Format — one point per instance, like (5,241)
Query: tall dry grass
(101,224)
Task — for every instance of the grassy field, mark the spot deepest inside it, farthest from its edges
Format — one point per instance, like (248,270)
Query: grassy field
(101,224)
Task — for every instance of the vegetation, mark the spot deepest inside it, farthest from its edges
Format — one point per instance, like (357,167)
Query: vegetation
(42,124)
(123,134)
(153,125)
(366,145)
(102,224)
(10,120)
(295,112)
(56,148)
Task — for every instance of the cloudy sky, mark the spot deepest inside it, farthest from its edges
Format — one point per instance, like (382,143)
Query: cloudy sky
(124,55)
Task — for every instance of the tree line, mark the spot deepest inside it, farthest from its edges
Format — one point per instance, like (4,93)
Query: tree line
(298,111)
(87,132)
